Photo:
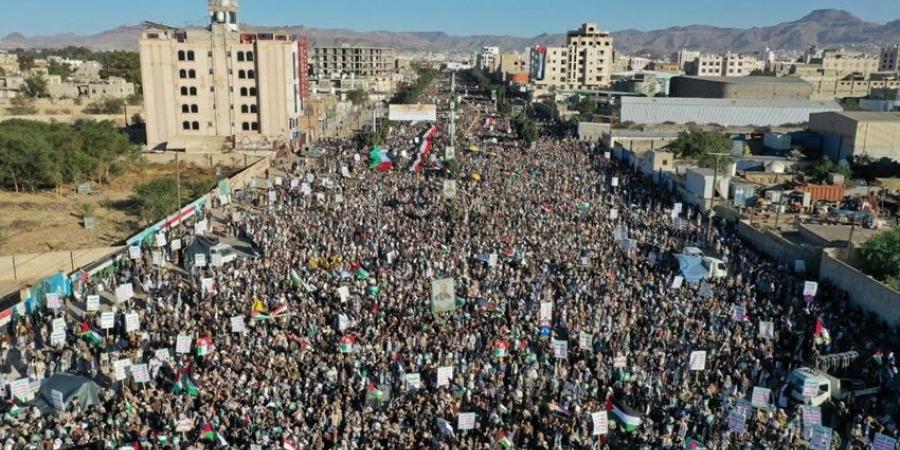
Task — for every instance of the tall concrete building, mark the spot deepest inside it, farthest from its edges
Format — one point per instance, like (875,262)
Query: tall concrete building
(219,87)
(488,58)
(889,60)
(723,65)
(346,68)
(585,63)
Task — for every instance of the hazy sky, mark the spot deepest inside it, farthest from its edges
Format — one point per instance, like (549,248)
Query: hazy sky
(461,17)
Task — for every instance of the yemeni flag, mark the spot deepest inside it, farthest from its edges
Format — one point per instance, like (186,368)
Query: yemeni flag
(379,160)
(501,348)
(6,317)
(504,441)
(424,150)
(89,335)
(295,279)
(693,444)
(822,332)
(204,346)
(347,344)
(288,444)
(626,417)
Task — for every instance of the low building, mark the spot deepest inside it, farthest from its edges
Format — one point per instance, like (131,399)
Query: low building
(858,133)
(638,141)
(725,112)
(113,87)
(11,86)
(753,87)
(648,83)
(832,87)
(9,62)
(881,100)
(512,64)
(723,65)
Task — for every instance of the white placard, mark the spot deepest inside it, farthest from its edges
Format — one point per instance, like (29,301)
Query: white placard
(466,421)
(208,285)
(677,208)
(175,244)
(760,397)
(306,189)
(93,303)
(199,260)
(614,213)
(560,348)
(134,252)
(107,320)
(546,311)
(56,397)
(601,423)
(607,155)
(160,240)
(162,354)
(132,322)
(119,367)
(766,329)
(273,196)
(737,423)
(810,387)
(883,442)
(344,293)
(183,343)
(820,439)
(343,322)
(698,360)
(585,341)
(238,325)
(140,373)
(310,178)
(54,300)
(615,181)
(216,260)
(21,389)
(124,292)
(279,181)
(738,313)
(157,258)
(295,182)
(677,282)
(444,374)
(338,198)
(450,189)
(200,227)
(58,324)
(810,288)
(414,380)
(58,337)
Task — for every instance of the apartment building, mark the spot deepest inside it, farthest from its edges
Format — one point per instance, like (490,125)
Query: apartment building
(510,65)
(219,85)
(346,61)
(889,59)
(723,65)
(584,63)
(488,58)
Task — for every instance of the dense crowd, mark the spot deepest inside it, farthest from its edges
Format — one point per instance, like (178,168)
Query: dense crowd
(320,366)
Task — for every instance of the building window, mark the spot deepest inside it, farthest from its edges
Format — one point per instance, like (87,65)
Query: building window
(193,91)
(182,74)
(253,109)
(245,126)
(242,74)
(184,91)
(185,125)
(181,55)
(244,109)
(249,56)
(240,56)
(185,108)
(253,92)
(195,109)
(195,125)
(254,126)
(251,74)
(192,73)
(190,55)
(243,92)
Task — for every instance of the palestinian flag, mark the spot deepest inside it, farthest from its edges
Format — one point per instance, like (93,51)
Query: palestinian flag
(279,310)
(693,444)
(347,344)
(288,444)
(878,357)
(209,435)
(374,394)
(374,290)
(258,316)
(14,410)
(822,332)
(129,408)
(504,441)
(89,335)
(501,348)
(204,346)
(626,417)
(184,384)
(379,160)
(295,279)
(362,275)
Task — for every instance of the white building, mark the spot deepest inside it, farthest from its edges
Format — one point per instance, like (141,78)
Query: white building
(488,58)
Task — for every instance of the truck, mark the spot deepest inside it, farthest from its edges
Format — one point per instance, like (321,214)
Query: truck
(827,385)
(715,267)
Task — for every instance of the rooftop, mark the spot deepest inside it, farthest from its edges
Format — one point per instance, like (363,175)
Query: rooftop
(742,102)
(871,116)
(749,80)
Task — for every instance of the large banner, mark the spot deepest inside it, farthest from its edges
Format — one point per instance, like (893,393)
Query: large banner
(413,113)
(443,295)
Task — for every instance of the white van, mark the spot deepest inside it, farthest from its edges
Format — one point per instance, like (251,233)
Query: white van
(714,266)
(826,386)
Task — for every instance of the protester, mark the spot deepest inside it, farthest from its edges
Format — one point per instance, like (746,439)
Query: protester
(320,366)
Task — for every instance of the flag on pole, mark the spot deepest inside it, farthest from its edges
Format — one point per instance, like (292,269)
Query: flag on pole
(379,159)
(501,348)
(878,357)
(374,394)
(822,332)
(347,343)
(362,275)
(556,408)
(89,335)
(504,441)
(279,310)
(626,417)
(14,410)
(204,345)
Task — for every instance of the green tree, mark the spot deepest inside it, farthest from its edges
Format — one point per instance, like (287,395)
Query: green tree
(881,257)
(36,86)
(358,97)
(122,64)
(157,198)
(820,172)
(525,128)
(26,59)
(694,143)
(57,68)
(106,106)
(586,106)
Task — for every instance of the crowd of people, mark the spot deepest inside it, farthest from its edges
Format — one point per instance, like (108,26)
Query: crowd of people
(327,337)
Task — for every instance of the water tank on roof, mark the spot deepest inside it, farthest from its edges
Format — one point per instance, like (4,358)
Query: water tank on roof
(775,167)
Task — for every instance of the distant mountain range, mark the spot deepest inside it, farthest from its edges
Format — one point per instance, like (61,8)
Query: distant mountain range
(822,28)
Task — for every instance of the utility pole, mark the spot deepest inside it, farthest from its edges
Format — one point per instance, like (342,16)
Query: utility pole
(452,81)
(178,181)
(712,203)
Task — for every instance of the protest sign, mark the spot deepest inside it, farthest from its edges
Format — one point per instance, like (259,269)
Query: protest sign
(306,189)
(132,322)
(295,182)
(93,303)
(199,260)
(466,421)
(215,260)
(58,324)
(58,337)
(585,341)
(760,398)
(200,227)
(883,442)
(443,295)
(810,288)
(175,244)
(140,373)
(546,311)
(273,196)
(492,260)
(698,360)
(737,422)
(414,380)
(119,367)
(738,313)
(162,354)
(339,198)
(56,397)
(615,181)
(238,325)
(156,257)
(601,423)
(160,239)
(208,285)
(820,439)
(810,387)
(677,282)
(607,155)
(107,320)
(812,415)
(560,348)
(344,293)
(613,213)
(677,208)
(449,189)
(21,389)
(444,374)
(54,300)
(343,322)
(134,252)
(124,292)
(183,343)
(705,290)
(279,181)
(766,329)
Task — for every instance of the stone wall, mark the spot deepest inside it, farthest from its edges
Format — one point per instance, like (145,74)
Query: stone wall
(778,248)
(864,290)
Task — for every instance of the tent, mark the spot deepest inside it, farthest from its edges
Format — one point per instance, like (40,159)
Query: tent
(72,387)
(692,267)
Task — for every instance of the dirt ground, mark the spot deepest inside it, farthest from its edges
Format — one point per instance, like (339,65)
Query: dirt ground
(43,221)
